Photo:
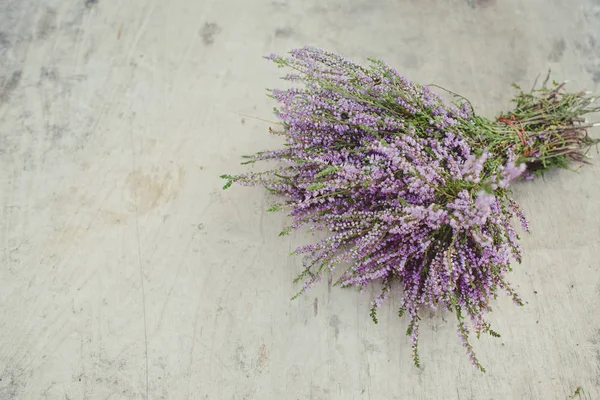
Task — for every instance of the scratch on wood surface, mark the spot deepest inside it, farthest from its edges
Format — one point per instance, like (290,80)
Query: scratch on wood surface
(140,263)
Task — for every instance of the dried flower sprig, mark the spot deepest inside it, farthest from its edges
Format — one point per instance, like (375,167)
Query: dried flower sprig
(409,188)
(550,125)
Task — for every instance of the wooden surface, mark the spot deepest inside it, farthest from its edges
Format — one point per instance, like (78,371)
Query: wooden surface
(126,273)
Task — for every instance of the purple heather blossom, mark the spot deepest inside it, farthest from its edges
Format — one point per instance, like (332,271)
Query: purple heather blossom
(514,171)
(402,200)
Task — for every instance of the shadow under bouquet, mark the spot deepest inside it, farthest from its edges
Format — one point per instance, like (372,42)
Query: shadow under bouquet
(409,187)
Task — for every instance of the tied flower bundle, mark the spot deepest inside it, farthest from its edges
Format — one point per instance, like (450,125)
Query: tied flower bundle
(408,187)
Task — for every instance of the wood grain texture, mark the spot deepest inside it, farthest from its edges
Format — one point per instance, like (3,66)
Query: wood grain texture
(125,271)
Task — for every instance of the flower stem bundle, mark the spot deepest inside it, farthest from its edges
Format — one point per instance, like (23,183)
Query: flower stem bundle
(408,187)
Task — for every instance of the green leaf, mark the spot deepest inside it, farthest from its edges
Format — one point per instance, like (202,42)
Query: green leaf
(328,171)
(274,208)
(230,181)
(577,392)
(286,231)
(374,314)
(493,333)
(316,186)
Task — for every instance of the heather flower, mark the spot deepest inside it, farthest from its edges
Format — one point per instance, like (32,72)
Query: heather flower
(409,188)
(513,171)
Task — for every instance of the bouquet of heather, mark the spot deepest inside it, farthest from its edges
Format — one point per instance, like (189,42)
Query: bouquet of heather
(408,187)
